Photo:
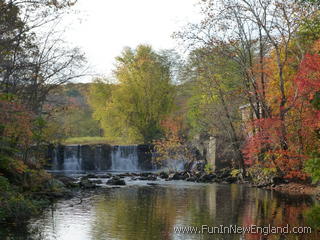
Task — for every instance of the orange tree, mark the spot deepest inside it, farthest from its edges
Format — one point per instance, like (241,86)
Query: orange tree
(173,145)
(301,122)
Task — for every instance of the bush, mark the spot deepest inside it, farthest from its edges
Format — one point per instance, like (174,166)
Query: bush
(4,184)
(262,175)
(17,209)
(312,166)
(313,217)
(208,168)
(235,172)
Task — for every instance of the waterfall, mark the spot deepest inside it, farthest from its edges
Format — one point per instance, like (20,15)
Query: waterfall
(72,158)
(125,158)
(101,157)
(55,164)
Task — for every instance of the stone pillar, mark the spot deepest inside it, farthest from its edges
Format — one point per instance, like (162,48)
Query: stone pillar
(211,152)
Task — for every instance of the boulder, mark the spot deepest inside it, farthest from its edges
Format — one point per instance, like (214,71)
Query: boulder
(55,185)
(277,180)
(163,175)
(116,180)
(108,175)
(231,179)
(207,177)
(192,179)
(98,181)
(177,176)
(148,178)
(67,181)
(91,175)
(86,183)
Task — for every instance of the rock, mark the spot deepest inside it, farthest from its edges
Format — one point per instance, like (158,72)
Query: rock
(116,181)
(277,180)
(176,176)
(223,173)
(163,175)
(143,178)
(207,178)
(191,179)
(108,175)
(55,185)
(197,166)
(145,174)
(91,176)
(98,181)
(148,178)
(67,181)
(152,178)
(116,177)
(152,184)
(231,179)
(123,175)
(85,183)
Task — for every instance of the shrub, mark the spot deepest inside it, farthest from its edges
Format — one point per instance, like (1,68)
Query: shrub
(208,168)
(14,207)
(235,172)
(312,166)
(313,217)
(261,175)
(4,184)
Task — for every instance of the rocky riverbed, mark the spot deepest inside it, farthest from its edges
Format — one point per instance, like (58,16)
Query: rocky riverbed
(70,184)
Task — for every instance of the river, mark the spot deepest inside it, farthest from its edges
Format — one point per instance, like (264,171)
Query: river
(141,211)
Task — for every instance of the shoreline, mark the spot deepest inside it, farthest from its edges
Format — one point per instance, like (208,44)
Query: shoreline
(88,181)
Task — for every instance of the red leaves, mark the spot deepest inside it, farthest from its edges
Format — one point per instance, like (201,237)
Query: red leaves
(308,77)
(301,124)
(15,120)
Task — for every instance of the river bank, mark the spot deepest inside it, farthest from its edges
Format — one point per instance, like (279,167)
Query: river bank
(224,176)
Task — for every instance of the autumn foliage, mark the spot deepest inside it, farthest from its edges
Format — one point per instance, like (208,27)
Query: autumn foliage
(15,134)
(286,142)
(173,145)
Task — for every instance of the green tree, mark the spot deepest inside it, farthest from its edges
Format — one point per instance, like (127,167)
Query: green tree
(131,111)
(216,96)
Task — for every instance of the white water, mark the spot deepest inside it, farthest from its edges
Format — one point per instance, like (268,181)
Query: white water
(54,159)
(72,158)
(125,158)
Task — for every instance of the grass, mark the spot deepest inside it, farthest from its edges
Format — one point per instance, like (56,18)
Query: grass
(86,140)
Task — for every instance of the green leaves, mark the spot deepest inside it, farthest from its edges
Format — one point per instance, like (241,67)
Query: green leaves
(131,110)
(312,166)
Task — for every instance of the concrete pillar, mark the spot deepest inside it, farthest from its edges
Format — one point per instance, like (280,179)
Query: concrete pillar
(211,152)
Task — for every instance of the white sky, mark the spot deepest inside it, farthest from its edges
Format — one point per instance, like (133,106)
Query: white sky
(102,28)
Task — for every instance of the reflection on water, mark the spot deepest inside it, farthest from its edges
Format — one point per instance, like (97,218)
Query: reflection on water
(140,212)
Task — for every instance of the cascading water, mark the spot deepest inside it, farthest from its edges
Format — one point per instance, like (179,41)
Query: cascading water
(125,158)
(101,157)
(54,159)
(72,158)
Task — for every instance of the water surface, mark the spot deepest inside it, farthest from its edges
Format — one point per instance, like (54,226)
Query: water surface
(140,211)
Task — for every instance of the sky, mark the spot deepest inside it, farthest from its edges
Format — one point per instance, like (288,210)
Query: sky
(102,28)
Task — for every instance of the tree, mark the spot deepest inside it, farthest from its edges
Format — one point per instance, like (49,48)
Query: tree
(34,60)
(264,39)
(216,98)
(172,149)
(133,109)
